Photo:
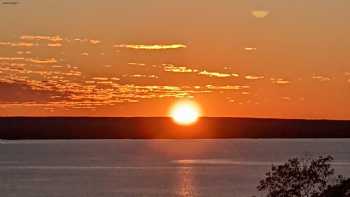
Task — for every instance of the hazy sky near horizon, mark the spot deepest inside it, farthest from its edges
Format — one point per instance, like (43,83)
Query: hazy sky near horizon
(272,58)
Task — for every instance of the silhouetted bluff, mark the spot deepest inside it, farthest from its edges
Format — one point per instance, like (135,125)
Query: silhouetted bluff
(165,128)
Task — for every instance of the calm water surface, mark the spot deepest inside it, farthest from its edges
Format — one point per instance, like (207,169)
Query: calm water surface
(107,168)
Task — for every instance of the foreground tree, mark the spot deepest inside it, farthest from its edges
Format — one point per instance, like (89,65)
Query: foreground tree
(342,189)
(298,178)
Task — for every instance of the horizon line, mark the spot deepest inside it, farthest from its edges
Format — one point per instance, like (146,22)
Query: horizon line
(232,117)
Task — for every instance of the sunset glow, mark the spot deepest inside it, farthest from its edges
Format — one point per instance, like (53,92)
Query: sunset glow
(174,98)
(185,113)
(244,55)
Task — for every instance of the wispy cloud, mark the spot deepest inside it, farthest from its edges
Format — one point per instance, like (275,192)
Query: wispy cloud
(280,81)
(45,61)
(30,60)
(260,13)
(254,77)
(10,3)
(86,40)
(347,74)
(142,76)
(24,52)
(151,47)
(177,69)
(250,48)
(228,87)
(94,41)
(321,78)
(11,58)
(136,64)
(54,44)
(17,44)
(77,89)
(47,38)
(286,98)
(114,78)
(217,74)
(100,78)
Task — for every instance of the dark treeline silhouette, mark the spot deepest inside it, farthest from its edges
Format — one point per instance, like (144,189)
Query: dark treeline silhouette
(310,177)
(163,127)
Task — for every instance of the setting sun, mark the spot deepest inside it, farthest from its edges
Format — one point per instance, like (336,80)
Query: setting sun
(185,113)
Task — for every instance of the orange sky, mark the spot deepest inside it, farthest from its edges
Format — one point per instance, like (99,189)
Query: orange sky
(272,58)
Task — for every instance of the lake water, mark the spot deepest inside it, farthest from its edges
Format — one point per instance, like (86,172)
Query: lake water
(106,168)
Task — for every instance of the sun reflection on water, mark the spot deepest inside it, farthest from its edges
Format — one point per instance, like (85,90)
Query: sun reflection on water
(186,186)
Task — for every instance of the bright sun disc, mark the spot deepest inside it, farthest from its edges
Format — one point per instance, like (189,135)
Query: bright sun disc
(185,113)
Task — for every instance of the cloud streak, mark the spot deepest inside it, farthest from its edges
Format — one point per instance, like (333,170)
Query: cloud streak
(177,69)
(228,87)
(260,13)
(150,47)
(321,78)
(217,74)
(38,61)
(54,45)
(47,38)
(17,44)
(253,77)
(250,48)
(280,81)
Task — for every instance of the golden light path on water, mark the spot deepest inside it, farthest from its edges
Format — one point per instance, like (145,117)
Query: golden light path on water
(186,185)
